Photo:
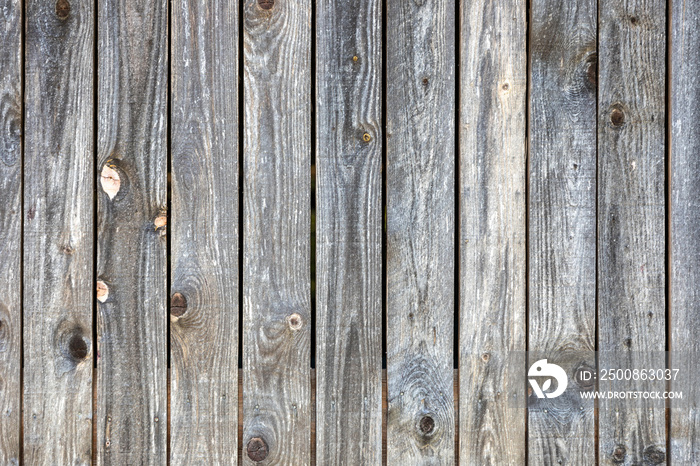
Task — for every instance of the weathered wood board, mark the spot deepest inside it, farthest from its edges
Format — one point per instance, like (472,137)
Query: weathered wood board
(349,235)
(631,221)
(276,223)
(420,190)
(492,237)
(204,229)
(58,233)
(132,148)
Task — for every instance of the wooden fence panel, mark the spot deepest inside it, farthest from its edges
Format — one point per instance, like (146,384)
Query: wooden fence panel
(204,228)
(132,221)
(11,232)
(684,314)
(276,197)
(631,220)
(562,217)
(58,233)
(492,273)
(349,242)
(420,231)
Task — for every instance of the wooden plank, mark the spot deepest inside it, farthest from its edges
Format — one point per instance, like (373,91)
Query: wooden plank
(277,217)
(58,232)
(204,226)
(631,220)
(420,231)
(493,92)
(685,228)
(348,232)
(562,218)
(11,231)
(131,249)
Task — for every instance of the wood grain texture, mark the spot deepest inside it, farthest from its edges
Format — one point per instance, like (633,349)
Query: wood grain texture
(420,231)
(204,226)
(562,218)
(131,251)
(10,228)
(277,218)
(685,227)
(58,233)
(493,92)
(631,219)
(348,238)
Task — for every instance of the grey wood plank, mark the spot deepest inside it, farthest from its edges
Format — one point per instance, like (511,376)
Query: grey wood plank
(58,232)
(420,203)
(562,218)
(348,232)
(631,220)
(685,226)
(10,228)
(132,222)
(276,253)
(492,273)
(204,228)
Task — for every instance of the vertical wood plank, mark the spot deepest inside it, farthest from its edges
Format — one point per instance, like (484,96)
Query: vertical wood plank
(11,228)
(631,206)
(349,242)
(420,231)
(493,91)
(131,250)
(58,233)
(204,228)
(277,217)
(685,226)
(562,218)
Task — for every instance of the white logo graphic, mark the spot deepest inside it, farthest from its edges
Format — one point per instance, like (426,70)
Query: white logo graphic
(542,369)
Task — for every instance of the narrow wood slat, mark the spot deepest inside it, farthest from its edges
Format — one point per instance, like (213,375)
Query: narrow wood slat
(276,267)
(58,233)
(10,230)
(562,220)
(493,91)
(348,226)
(420,231)
(204,228)
(131,252)
(631,220)
(685,229)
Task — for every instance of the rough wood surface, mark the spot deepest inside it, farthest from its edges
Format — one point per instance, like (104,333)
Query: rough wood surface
(348,225)
(492,274)
(562,217)
(58,233)
(10,228)
(685,227)
(132,225)
(631,220)
(204,229)
(420,231)
(276,209)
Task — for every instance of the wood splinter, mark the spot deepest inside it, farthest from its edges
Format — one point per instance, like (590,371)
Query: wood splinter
(110,181)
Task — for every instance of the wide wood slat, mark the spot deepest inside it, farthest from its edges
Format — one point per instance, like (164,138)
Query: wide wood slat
(58,233)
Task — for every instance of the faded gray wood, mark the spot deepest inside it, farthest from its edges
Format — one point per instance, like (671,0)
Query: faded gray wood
(204,228)
(685,228)
(562,220)
(420,231)
(58,233)
(276,209)
(493,91)
(348,238)
(132,221)
(631,221)
(10,228)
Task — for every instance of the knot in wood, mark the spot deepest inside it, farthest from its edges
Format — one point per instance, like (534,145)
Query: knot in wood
(257,449)
(266,4)
(102,291)
(294,321)
(178,304)
(62,9)
(619,453)
(77,348)
(110,181)
(654,454)
(617,117)
(426,425)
